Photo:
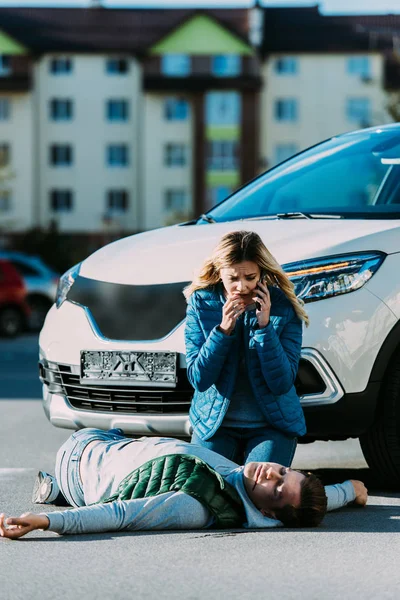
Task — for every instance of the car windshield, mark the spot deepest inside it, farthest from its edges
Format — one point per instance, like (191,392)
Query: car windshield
(354,175)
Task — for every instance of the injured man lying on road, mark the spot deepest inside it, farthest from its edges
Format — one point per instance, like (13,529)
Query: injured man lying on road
(123,484)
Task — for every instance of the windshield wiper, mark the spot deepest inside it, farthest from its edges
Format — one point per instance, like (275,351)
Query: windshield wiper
(301,215)
(293,215)
(207,218)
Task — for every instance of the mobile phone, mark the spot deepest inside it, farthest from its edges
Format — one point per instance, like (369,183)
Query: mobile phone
(262,275)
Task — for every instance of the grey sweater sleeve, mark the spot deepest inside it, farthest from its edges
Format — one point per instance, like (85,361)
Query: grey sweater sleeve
(339,495)
(172,510)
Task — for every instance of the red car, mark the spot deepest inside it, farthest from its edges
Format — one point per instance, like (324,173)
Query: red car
(14,309)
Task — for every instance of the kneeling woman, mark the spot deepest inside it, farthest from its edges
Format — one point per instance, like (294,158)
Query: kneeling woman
(243,339)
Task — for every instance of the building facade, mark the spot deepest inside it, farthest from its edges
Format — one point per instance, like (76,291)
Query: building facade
(122,120)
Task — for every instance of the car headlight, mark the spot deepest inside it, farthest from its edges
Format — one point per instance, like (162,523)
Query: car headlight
(65,283)
(318,279)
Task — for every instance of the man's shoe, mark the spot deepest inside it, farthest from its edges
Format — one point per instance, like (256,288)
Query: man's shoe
(45,489)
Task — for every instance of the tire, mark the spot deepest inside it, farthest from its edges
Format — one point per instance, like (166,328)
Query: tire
(39,307)
(381,443)
(11,322)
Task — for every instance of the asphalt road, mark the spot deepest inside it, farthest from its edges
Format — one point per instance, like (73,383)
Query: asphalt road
(18,367)
(354,553)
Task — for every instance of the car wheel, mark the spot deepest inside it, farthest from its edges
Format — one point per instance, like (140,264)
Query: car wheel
(381,443)
(11,322)
(39,309)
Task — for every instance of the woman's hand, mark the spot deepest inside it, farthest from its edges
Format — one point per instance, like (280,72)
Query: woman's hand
(264,301)
(231,310)
(16,527)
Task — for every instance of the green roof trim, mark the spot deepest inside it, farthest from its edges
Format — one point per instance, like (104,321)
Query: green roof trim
(10,46)
(202,35)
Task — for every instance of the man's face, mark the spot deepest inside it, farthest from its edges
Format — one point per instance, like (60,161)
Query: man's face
(270,486)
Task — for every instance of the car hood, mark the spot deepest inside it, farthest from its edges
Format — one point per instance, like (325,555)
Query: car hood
(173,254)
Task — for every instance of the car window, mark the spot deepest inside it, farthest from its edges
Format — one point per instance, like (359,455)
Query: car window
(24,269)
(345,175)
(342,183)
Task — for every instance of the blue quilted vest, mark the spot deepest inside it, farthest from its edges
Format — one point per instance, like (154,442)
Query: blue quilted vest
(272,356)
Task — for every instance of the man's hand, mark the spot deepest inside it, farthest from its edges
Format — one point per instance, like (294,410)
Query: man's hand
(15,527)
(361,492)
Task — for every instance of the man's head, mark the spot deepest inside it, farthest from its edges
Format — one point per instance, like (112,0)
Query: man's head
(294,497)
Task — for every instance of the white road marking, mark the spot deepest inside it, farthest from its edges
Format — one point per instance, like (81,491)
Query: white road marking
(5,472)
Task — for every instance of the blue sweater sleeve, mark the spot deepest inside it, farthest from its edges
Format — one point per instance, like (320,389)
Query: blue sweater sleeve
(172,510)
(279,356)
(340,495)
(204,357)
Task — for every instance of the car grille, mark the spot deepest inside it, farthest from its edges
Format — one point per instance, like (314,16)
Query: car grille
(121,399)
(130,312)
(64,379)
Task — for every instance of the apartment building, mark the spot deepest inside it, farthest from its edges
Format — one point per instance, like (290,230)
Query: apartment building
(120,120)
(323,76)
(137,117)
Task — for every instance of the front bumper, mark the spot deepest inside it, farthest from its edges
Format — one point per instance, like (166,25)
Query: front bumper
(61,414)
(72,404)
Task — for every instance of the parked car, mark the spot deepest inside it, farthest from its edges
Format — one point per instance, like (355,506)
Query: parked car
(41,283)
(14,309)
(112,350)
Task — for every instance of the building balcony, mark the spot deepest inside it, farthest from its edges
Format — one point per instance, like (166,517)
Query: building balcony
(201,76)
(16,74)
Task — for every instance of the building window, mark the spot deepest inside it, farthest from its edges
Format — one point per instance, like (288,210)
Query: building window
(175,65)
(286,65)
(61,200)
(117,110)
(5,65)
(5,155)
(223,108)
(5,109)
(5,200)
(117,66)
(61,155)
(117,155)
(358,110)
(176,109)
(359,65)
(61,109)
(222,156)
(117,201)
(285,151)
(60,66)
(175,200)
(175,155)
(226,65)
(286,109)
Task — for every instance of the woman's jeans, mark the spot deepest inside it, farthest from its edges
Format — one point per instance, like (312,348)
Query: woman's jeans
(251,444)
(68,459)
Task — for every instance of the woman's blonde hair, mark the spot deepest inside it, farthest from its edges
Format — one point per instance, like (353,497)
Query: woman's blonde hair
(236,247)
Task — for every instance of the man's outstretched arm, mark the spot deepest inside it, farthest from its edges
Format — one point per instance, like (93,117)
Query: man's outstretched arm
(173,510)
(16,527)
(341,494)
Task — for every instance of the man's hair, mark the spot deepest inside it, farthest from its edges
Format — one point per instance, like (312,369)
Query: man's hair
(313,504)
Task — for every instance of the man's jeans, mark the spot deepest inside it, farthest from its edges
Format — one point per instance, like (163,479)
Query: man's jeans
(248,444)
(68,459)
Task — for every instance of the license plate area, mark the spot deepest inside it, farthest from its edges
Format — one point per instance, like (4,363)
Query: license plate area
(147,369)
